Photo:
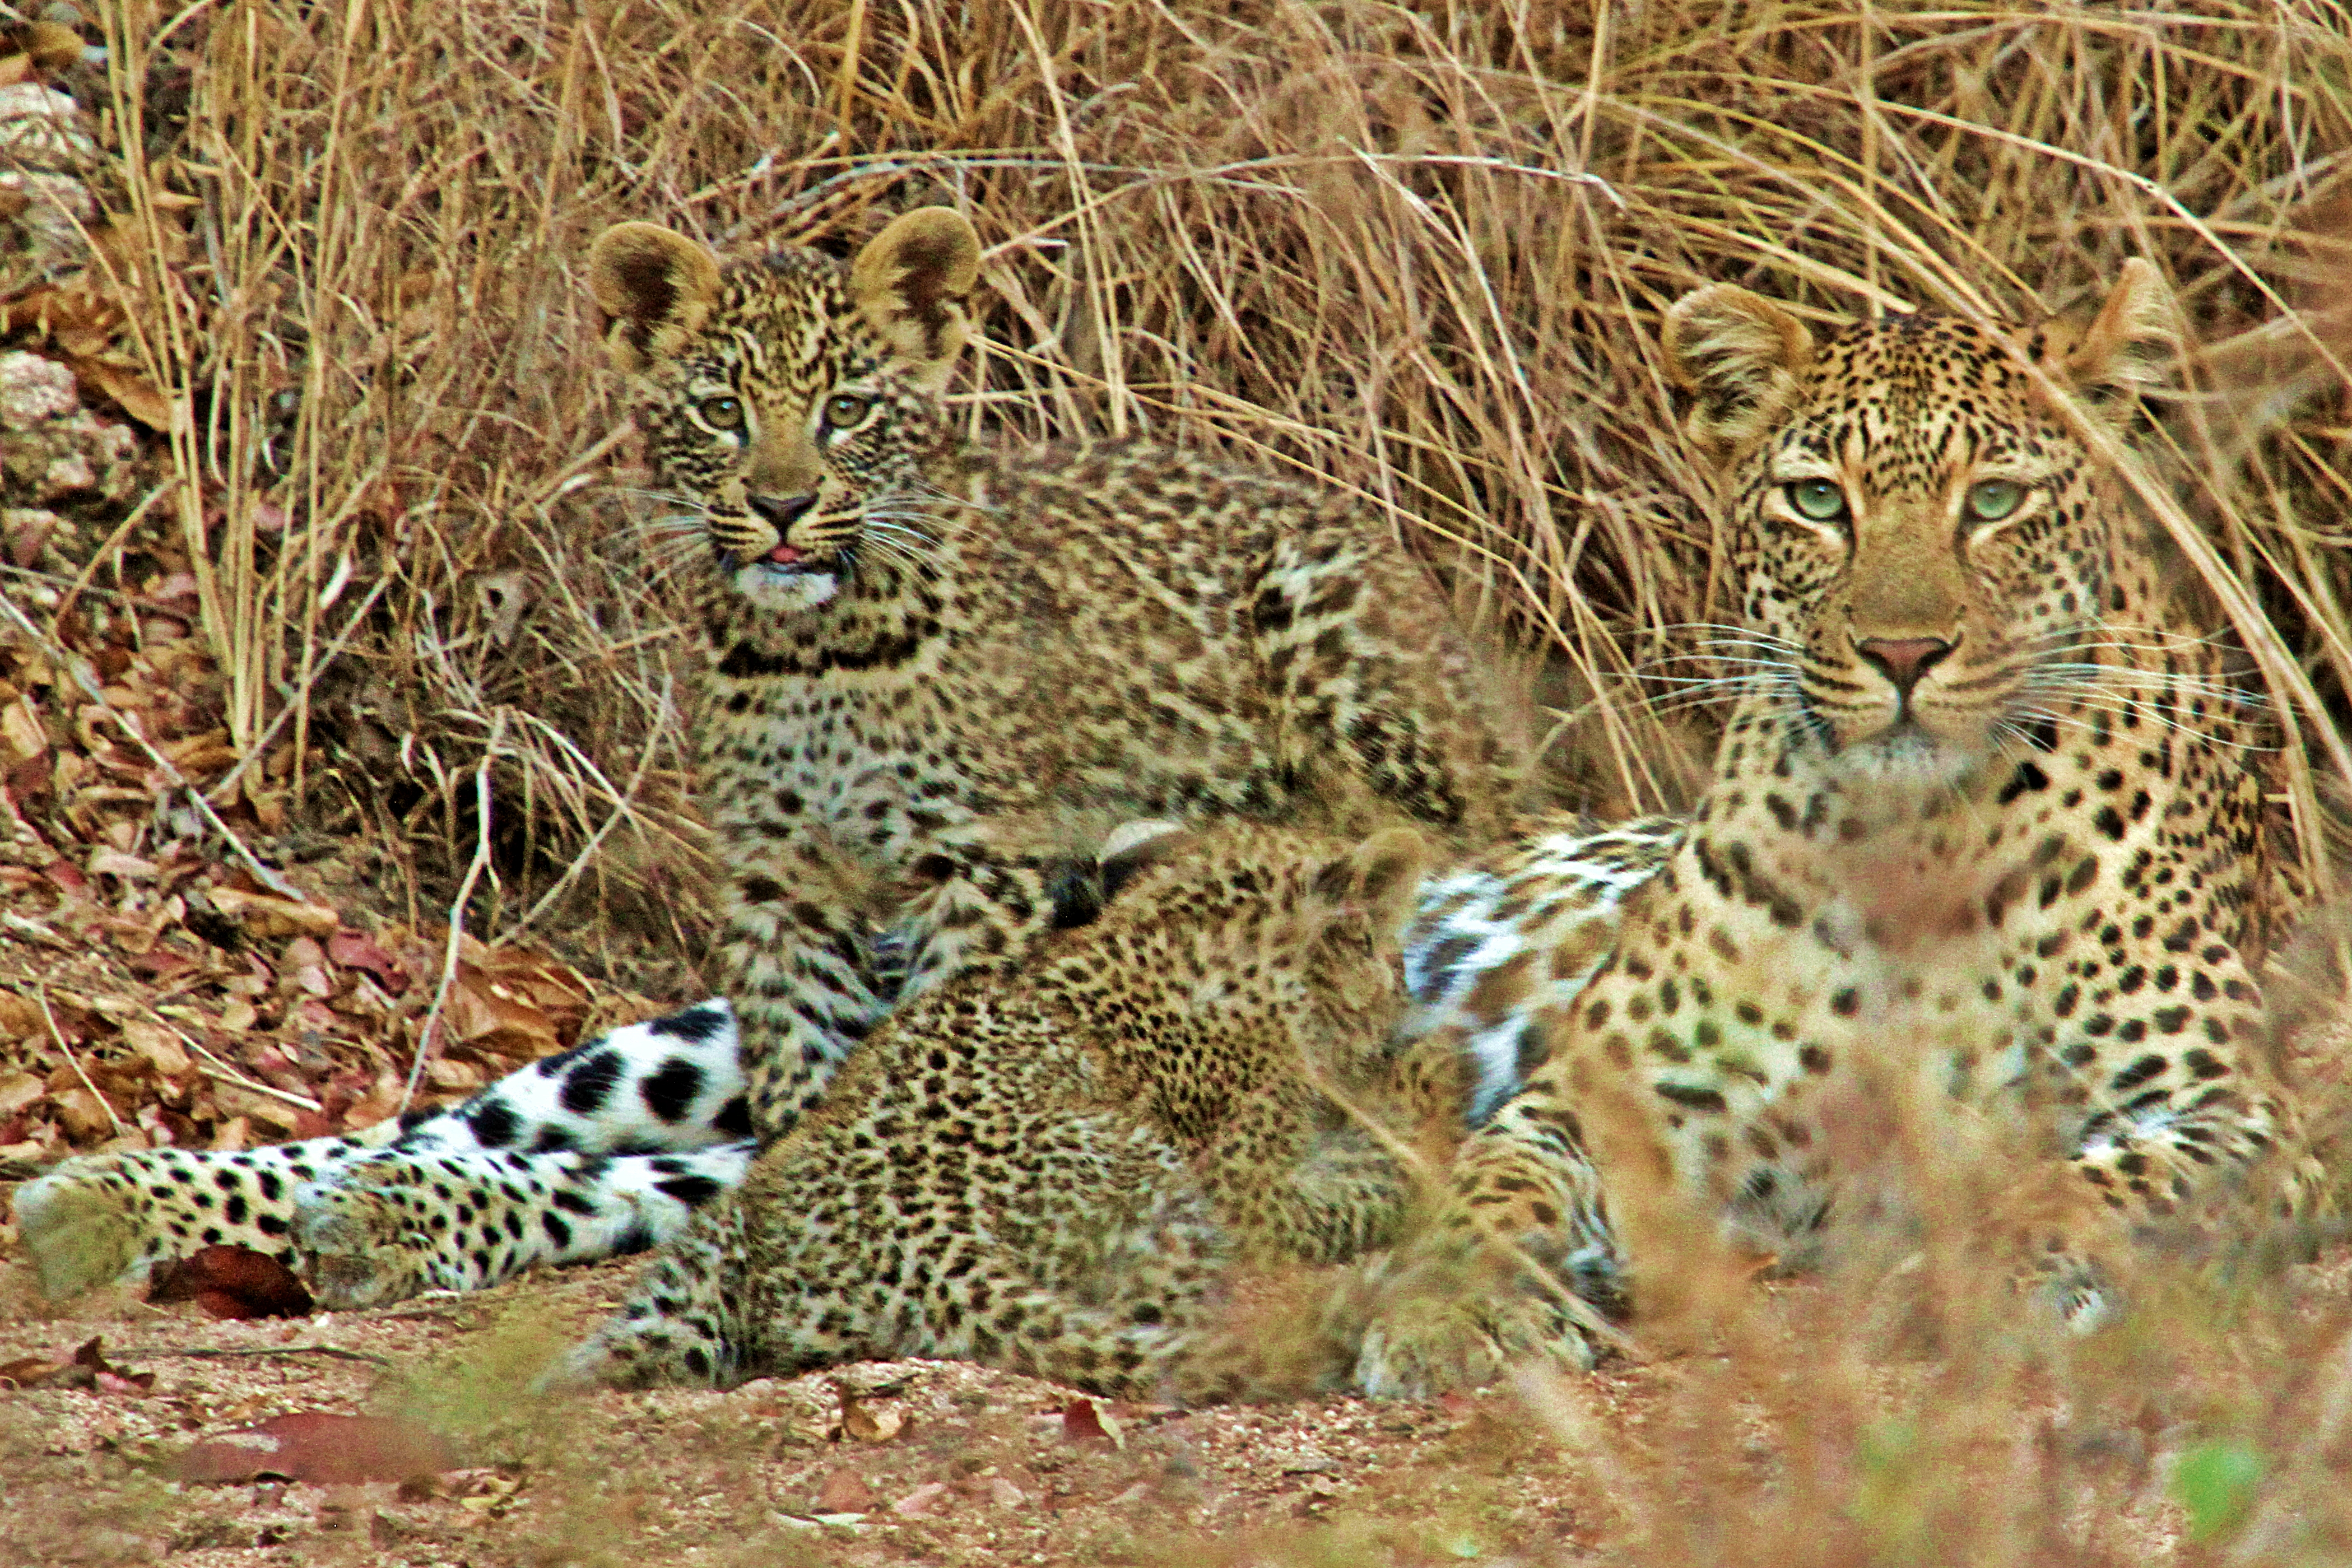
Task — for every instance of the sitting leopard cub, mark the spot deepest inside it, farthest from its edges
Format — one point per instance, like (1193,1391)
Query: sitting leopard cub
(935,672)
(946,666)
(1055,1171)
(1984,829)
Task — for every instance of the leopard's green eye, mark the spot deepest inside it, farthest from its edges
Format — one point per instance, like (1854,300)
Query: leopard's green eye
(1817,501)
(721,412)
(845,410)
(1990,500)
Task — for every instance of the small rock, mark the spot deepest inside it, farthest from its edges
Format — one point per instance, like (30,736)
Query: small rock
(923,1502)
(32,388)
(44,220)
(23,530)
(41,128)
(845,1491)
(66,475)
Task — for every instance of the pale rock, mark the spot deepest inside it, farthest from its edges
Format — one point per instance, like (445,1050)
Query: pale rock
(32,388)
(41,127)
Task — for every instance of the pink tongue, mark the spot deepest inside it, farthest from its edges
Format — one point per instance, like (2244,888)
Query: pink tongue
(784,554)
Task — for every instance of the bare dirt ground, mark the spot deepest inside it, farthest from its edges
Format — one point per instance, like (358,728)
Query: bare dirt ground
(875,1463)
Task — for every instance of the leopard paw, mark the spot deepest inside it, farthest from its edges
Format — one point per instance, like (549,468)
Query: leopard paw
(648,1351)
(366,1239)
(83,1226)
(1423,1340)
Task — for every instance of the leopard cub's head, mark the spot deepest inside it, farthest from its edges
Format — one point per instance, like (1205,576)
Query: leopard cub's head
(1931,560)
(1238,932)
(788,401)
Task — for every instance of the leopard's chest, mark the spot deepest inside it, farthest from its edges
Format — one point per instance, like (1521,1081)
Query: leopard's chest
(1767,1010)
(875,770)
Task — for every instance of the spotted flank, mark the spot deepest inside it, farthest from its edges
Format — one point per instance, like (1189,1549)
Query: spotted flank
(668,1084)
(1501,940)
(570,1151)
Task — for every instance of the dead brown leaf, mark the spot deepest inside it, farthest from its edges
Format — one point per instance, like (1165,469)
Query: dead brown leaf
(132,392)
(232,1283)
(315,1446)
(354,951)
(861,1425)
(1083,1422)
(49,45)
(267,915)
(159,1046)
(86,1368)
(19,1090)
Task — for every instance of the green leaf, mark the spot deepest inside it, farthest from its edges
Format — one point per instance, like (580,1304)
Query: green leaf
(2215,1482)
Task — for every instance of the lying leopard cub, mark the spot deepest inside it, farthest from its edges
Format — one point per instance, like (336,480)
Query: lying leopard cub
(1984,836)
(935,673)
(611,1146)
(1054,1171)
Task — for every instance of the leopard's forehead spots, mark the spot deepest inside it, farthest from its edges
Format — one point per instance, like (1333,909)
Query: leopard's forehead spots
(1911,398)
(787,323)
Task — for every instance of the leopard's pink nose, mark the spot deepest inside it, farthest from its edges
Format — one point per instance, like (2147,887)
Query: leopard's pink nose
(1903,659)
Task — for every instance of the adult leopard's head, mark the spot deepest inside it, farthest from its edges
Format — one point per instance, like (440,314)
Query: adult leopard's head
(1926,548)
(789,400)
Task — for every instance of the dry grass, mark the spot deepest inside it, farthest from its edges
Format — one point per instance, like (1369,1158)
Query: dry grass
(1419,250)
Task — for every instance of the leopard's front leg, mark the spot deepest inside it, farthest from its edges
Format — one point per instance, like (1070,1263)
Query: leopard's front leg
(808,924)
(1377,692)
(797,957)
(1461,1300)
(976,908)
(2187,1115)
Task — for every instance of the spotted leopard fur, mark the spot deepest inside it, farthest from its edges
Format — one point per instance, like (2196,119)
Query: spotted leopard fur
(1056,1171)
(937,674)
(607,1147)
(1984,829)
(937,671)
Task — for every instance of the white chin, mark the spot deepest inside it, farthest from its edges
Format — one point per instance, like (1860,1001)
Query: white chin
(1910,757)
(775,589)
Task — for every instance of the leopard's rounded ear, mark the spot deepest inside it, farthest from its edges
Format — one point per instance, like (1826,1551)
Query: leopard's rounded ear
(1133,847)
(911,281)
(2129,346)
(1380,877)
(1739,355)
(657,285)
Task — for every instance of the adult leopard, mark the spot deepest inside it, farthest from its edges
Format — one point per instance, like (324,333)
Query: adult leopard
(1984,828)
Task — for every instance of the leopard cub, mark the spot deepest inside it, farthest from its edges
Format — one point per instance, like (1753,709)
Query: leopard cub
(938,670)
(1057,1171)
